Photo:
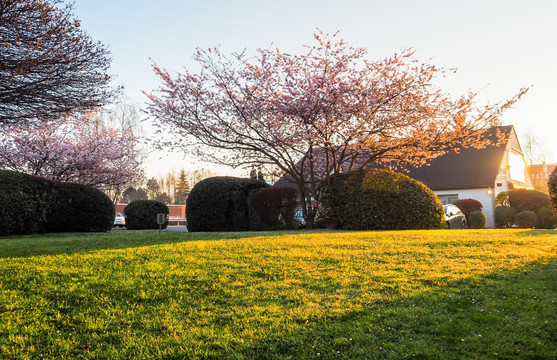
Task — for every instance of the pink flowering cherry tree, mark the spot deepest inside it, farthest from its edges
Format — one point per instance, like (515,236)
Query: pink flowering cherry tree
(80,150)
(314,115)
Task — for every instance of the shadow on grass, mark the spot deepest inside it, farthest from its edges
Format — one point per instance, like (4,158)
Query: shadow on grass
(70,243)
(507,314)
(537,232)
(501,315)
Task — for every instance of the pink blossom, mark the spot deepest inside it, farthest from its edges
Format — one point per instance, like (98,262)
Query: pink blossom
(78,150)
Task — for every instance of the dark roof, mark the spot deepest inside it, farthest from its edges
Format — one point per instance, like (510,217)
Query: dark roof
(469,168)
(284,182)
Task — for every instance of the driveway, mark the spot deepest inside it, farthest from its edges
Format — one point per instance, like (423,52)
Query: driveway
(177,228)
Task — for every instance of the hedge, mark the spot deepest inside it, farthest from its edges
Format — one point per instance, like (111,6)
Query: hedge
(512,203)
(546,218)
(504,216)
(380,200)
(220,204)
(526,219)
(476,220)
(522,200)
(273,208)
(468,205)
(552,187)
(81,208)
(142,214)
(29,204)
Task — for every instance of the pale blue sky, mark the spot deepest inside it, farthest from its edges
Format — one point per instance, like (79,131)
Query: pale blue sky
(497,46)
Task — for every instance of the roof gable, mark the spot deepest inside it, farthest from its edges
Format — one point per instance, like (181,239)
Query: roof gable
(469,168)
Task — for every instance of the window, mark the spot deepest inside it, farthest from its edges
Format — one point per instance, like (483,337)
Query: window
(517,166)
(448,199)
(503,175)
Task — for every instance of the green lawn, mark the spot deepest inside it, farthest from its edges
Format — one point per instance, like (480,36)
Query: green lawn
(471,294)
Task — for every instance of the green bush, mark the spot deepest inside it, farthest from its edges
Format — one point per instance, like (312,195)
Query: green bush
(30,204)
(24,203)
(502,199)
(521,199)
(504,216)
(552,188)
(273,208)
(476,220)
(320,222)
(468,205)
(380,200)
(546,218)
(81,208)
(526,219)
(142,214)
(220,204)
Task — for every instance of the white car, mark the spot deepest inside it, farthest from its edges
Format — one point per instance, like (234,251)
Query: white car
(119,220)
(454,218)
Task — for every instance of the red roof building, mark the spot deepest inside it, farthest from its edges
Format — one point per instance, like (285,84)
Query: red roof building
(539,173)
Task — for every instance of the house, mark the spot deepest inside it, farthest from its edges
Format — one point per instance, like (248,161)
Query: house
(478,174)
(472,173)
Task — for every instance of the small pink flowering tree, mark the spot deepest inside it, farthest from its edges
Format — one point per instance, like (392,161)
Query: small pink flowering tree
(315,115)
(80,150)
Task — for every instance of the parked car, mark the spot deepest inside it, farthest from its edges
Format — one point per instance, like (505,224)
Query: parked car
(119,220)
(454,218)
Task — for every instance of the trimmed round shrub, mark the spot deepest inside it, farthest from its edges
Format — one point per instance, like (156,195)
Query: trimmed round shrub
(504,216)
(552,188)
(476,220)
(29,204)
(380,200)
(468,205)
(273,208)
(546,218)
(220,204)
(526,219)
(81,208)
(142,214)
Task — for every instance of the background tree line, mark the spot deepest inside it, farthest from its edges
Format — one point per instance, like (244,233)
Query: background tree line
(172,188)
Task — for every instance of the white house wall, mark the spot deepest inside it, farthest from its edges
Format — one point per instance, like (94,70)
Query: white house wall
(513,165)
(480,194)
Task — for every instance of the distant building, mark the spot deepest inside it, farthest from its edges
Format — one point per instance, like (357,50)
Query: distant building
(176,213)
(539,173)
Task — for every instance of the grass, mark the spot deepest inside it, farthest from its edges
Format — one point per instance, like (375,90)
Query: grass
(472,294)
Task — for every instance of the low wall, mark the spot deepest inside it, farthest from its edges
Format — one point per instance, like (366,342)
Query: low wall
(174,211)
